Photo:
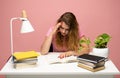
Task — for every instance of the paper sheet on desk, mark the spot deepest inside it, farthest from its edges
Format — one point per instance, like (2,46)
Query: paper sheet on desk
(57,60)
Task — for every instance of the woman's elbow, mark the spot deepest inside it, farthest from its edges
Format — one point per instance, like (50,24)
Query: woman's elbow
(43,52)
(87,49)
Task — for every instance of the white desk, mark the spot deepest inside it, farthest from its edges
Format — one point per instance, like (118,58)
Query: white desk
(66,70)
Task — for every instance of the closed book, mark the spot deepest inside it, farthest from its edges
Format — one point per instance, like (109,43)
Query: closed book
(24,65)
(28,60)
(25,55)
(91,58)
(91,63)
(90,68)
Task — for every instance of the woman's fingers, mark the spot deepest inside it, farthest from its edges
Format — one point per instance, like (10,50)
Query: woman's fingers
(61,55)
(66,54)
(55,28)
(58,25)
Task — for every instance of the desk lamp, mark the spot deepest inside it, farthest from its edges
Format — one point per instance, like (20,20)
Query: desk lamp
(26,27)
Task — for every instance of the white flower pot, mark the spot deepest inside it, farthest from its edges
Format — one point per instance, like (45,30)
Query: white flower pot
(104,52)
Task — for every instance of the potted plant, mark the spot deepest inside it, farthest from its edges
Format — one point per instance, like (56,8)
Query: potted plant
(83,40)
(101,42)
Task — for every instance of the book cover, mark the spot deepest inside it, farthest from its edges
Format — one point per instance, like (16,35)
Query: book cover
(24,55)
(91,58)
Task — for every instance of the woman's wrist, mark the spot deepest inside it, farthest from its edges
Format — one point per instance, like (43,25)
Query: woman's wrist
(71,53)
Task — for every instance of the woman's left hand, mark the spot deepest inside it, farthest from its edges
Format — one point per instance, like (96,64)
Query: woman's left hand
(66,54)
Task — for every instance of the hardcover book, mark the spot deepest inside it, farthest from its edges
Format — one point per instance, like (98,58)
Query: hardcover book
(24,65)
(25,55)
(91,58)
(28,60)
(91,63)
(90,68)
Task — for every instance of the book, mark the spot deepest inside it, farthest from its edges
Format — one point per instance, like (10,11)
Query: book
(90,68)
(24,65)
(91,63)
(70,59)
(91,58)
(28,60)
(25,55)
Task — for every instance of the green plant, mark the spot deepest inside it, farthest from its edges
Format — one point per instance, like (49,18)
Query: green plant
(83,40)
(102,40)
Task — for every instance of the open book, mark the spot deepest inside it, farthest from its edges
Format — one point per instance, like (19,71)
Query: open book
(69,59)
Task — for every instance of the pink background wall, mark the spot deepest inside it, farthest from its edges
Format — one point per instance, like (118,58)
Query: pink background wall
(94,17)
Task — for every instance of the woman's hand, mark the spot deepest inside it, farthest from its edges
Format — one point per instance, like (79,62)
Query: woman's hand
(55,28)
(66,54)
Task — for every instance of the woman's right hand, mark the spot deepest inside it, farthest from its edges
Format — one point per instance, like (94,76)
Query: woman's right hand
(55,28)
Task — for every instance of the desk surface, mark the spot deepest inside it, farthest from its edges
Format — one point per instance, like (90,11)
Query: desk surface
(44,68)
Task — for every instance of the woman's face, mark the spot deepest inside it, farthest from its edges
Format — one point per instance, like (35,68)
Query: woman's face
(64,29)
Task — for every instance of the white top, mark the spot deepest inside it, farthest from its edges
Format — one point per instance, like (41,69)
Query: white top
(45,68)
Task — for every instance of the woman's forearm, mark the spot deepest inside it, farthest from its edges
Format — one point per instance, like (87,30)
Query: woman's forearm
(47,42)
(46,45)
(83,51)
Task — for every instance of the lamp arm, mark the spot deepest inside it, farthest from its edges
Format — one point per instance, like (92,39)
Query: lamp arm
(11,31)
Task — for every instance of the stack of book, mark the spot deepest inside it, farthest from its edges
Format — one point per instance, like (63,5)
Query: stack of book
(91,62)
(25,59)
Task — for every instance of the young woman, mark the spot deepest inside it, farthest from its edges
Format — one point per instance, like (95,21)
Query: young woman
(64,37)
